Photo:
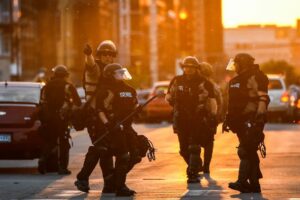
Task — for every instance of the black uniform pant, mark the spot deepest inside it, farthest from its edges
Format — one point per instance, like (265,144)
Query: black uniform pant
(114,144)
(106,159)
(249,169)
(208,145)
(94,156)
(56,138)
(189,146)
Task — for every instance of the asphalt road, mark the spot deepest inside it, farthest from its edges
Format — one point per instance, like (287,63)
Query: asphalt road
(165,177)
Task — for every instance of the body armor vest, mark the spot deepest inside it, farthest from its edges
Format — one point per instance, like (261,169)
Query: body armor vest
(91,81)
(243,94)
(188,94)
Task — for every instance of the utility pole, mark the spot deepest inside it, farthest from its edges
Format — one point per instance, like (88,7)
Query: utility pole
(124,27)
(15,37)
(153,41)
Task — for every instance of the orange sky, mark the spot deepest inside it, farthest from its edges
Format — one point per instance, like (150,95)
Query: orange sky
(281,12)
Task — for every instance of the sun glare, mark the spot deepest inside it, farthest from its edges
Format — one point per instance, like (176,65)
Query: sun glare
(241,12)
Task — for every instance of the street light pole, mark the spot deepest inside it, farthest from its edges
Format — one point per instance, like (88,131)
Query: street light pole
(153,41)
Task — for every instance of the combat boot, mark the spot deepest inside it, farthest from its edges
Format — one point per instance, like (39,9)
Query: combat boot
(239,186)
(64,172)
(193,179)
(82,185)
(134,192)
(256,189)
(109,185)
(124,192)
(107,189)
(42,166)
(254,179)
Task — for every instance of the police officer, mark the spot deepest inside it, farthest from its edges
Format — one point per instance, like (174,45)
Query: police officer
(206,70)
(58,99)
(115,101)
(192,97)
(247,108)
(93,76)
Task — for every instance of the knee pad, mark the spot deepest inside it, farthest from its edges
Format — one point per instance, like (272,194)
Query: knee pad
(242,153)
(194,149)
(123,158)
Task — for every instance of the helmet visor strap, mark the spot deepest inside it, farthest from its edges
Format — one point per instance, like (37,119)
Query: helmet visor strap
(122,74)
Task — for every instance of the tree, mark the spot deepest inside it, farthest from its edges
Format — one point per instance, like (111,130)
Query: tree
(280,67)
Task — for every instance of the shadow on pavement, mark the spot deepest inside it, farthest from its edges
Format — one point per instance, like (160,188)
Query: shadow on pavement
(105,197)
(26,180)
(18,170)
(211,191)
(248,196)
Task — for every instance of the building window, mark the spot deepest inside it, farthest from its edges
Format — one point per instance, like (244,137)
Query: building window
(4,44)
(4,11)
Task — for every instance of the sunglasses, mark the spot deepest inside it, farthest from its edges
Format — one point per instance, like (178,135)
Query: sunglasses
(108,53)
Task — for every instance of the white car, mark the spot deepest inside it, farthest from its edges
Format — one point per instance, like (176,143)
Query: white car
(279,97)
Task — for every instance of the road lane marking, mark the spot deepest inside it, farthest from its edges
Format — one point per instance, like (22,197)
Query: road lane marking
(196,193)
(74,193)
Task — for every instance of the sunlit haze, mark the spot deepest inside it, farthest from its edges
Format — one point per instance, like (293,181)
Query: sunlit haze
(280,12)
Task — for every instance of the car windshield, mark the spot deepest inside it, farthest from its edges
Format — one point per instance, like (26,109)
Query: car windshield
(20,94)
(160,88)
(275,84)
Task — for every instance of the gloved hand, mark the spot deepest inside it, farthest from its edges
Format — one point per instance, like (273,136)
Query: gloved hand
(87,50)
(113,127)
(225,127)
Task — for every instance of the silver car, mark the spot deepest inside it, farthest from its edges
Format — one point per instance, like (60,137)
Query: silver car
(279,105)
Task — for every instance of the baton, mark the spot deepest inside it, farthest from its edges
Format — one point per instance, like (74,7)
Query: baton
(137,110)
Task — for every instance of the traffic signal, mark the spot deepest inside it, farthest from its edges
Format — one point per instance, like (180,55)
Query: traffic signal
(185,32)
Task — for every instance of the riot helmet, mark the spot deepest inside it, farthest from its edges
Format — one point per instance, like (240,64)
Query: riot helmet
(60,71)
(117,72)
(106,47)
(190,65)
(190,61)
(240,62)
(206,69)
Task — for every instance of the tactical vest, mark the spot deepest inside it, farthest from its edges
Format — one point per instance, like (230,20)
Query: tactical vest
(55,94)
(240,94)
(188,93)
(120,100)
(91,80)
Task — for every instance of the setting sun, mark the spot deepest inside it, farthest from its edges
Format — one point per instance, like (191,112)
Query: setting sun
(239,12)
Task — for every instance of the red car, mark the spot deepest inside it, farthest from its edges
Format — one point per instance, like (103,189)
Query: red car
(19,123)
(159,109)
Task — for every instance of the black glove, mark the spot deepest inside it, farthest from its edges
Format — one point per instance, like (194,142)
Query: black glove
(87,50)
(225,127)
(113,127)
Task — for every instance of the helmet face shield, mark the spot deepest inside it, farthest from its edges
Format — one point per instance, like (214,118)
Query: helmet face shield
(231,66)
(122,74)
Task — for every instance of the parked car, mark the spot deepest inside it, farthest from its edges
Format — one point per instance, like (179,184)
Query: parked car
(159,109)
(143,95)
(294,103)
(19,122)
(279,96)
